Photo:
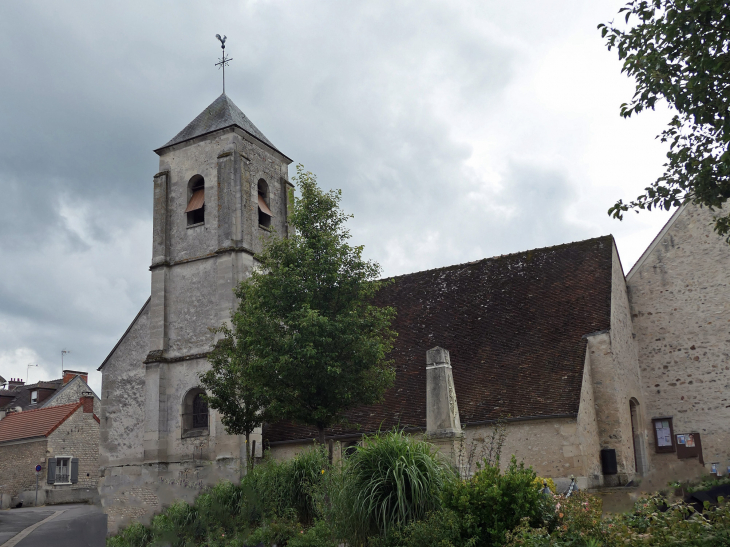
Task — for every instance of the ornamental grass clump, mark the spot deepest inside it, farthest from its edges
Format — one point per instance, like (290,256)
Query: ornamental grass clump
(391,480)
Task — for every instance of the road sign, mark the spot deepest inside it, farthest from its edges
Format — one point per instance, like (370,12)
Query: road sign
(38,468)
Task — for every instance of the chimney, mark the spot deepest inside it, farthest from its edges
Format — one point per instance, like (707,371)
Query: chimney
(69,375)
(15,383)
(442,412)
(87,399)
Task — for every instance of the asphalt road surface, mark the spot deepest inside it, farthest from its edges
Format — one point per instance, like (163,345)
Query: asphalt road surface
(53,526)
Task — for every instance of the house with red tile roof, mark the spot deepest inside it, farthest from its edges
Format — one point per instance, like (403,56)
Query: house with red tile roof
(63,440)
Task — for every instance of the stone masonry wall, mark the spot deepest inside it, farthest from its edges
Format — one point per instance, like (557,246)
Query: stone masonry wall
(587,447)
(71,393)
(122,395)
(17,462)
(78,437)
(680,304)
(616,379)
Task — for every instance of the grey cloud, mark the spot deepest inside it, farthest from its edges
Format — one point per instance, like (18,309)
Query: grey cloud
(373,97)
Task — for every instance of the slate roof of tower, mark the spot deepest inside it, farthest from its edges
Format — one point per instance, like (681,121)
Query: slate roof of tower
(35,423)
(220,114)
(514,327)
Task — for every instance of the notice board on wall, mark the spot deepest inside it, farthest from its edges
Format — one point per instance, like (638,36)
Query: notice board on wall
(689,445)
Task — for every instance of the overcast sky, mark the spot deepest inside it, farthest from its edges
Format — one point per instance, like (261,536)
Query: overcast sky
(456,131)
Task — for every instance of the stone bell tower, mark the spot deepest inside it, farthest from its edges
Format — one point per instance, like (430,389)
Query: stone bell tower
(221,186)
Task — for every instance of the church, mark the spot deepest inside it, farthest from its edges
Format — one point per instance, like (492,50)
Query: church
(599,374)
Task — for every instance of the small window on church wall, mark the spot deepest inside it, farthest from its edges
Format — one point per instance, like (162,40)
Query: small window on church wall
(264,211)
(195,414)
(663,434)
(196,201)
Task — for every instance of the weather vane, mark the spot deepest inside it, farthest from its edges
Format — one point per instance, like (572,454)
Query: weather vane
(223,61)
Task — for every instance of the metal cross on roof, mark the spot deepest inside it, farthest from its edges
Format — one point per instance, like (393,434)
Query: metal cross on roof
(223,61)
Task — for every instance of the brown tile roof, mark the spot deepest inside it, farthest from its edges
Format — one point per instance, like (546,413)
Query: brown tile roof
(35,423)
(513,325)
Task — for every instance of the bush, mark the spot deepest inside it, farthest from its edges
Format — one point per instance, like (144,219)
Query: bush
(274,532)
(178,525)
(135,535)
(653,522)
(495,503)
(275,488)
(319,535)
(442,529)
(390,481)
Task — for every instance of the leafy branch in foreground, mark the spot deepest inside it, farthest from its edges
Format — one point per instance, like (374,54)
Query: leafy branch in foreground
(679,51)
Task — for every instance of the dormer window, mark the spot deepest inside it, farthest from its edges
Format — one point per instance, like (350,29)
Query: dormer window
(196,201)
(264,211)
(33,397)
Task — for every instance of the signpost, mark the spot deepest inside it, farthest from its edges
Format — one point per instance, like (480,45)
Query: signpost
(37,474)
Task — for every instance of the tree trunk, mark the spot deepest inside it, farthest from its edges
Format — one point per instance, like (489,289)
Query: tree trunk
(248,452)
(321,434)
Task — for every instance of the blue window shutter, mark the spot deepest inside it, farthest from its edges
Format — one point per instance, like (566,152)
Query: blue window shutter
(51,475)
(74,470)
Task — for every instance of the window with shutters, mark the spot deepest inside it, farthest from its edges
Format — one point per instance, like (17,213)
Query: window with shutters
(196,201)
(33,397)
(663,434)
(62,470)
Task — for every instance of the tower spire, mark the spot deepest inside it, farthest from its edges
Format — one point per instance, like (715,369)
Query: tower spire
(224,60)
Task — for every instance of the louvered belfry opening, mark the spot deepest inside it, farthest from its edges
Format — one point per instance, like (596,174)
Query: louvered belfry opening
(264,211)
(196,204)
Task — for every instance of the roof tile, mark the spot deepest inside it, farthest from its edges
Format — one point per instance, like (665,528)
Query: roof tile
(513,325)
(34,423)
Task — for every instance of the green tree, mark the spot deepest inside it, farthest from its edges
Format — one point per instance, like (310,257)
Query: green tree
(315,343)
(678,50)
(229,390)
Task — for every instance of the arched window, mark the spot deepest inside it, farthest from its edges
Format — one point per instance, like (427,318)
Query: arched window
(195,413)
(264,211)
(196,201)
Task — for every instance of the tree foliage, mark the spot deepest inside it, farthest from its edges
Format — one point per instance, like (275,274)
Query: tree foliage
(229,388)
(313,342)
(679,51)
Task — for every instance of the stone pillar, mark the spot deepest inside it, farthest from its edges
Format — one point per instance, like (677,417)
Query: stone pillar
(160,228)
(226,200)
(442,412)
(158,320)
(155,420)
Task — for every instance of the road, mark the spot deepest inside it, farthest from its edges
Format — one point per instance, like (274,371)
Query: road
(53,525)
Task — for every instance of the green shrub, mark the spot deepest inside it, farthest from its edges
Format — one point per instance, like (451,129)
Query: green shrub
(178,525)
(276,531)
(319,535)
(443,528)
(495,502)
(390,481)
(653,522)
(134,535)
(274,488)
